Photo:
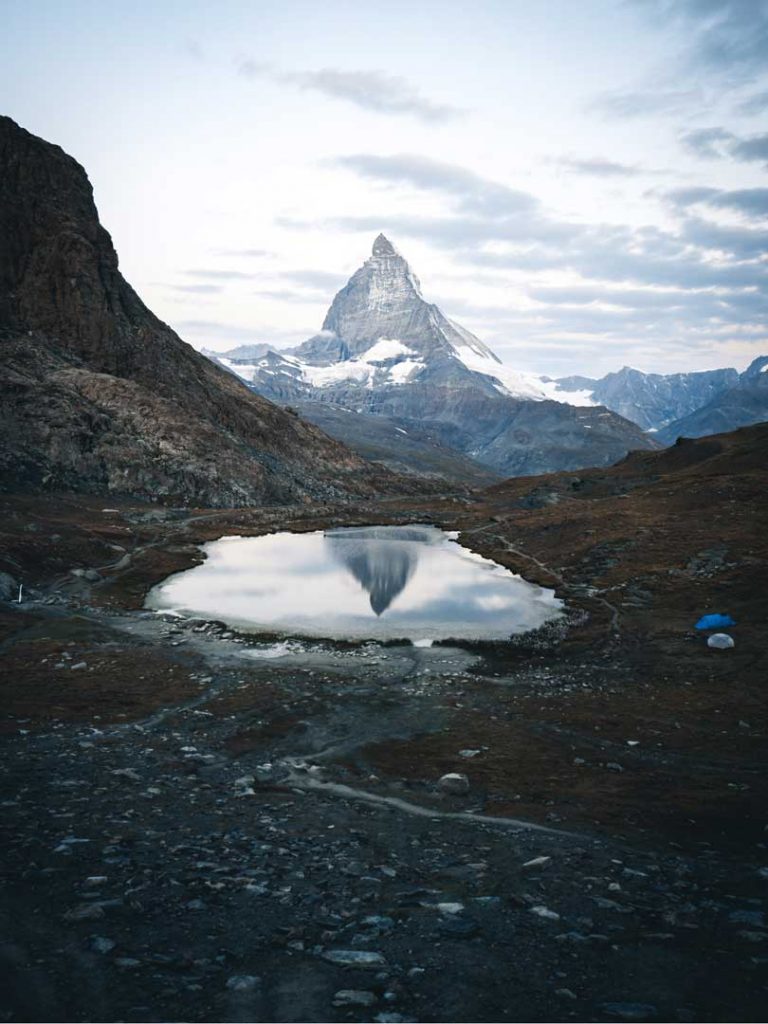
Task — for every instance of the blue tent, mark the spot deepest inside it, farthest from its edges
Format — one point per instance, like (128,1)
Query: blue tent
(714,621)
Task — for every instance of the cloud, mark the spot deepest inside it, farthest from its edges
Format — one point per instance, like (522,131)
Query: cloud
(689,196)
(248,253)
(729,37)
(369,90)
(473,193)
(724,44)
(288,295)
(306,286)
(711,143)
(753,148)
(637,298)
(752,202)
(192,48)
(601,168)
(199,289)
(642,103)
(719,143)
(220,275)
(319,279)
(757,103)
(214,327)
(744,243)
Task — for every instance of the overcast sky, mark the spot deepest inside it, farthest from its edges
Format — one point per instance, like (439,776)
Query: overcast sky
(582,183)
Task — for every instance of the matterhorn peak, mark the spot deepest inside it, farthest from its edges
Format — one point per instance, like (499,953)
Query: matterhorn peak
(383,247)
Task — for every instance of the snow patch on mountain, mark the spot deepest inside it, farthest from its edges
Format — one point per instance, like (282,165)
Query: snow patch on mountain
(553,391)
(510,382)
(384,349)
(402,372)
(245,371)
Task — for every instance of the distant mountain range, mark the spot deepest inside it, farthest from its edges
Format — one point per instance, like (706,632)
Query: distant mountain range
(680,404)
(742,404)
(385,352)
(392,376)
(652,400)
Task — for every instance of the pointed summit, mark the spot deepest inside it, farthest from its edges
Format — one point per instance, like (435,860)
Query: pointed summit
(383,300)
(383,247)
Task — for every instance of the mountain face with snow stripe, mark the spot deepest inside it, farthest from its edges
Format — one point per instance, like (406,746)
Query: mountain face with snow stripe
(383,350)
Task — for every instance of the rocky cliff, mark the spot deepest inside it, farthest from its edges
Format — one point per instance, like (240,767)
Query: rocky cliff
(99,395)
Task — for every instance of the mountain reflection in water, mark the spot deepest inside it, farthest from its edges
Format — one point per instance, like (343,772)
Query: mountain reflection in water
(357,583)
(379,560)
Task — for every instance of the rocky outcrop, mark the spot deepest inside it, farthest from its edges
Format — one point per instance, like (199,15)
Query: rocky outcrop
(99,395)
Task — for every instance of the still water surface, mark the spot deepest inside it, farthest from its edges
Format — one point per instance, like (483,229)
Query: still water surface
(357,583)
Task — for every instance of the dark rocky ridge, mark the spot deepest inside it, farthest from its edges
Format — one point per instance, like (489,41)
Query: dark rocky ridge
(99,395)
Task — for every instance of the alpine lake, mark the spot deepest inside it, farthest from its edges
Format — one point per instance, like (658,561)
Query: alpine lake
(377,583)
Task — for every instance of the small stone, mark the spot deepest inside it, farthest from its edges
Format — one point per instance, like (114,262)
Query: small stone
(630,1011)
(129,963)
(458,927)
(243,982)
(537,862)
(100,944)
(354,957)
(565,993)
(469,752)
(87,912)
(614,766)
(353,997)
(487,901)
(379,921)
(9,588)
(450,908)
(548,915)
(454,783)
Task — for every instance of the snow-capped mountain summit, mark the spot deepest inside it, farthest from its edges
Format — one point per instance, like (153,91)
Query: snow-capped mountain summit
(385,351)
(380,331)
(383,300)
